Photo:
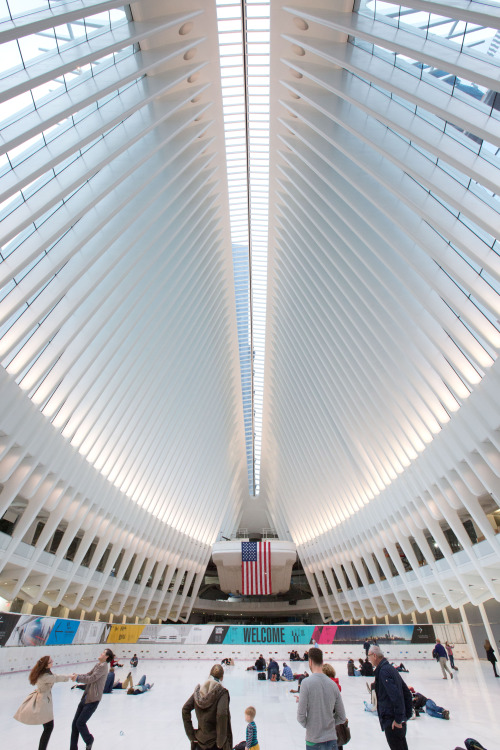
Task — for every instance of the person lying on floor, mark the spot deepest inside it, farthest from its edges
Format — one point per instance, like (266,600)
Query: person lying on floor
(141,687)
(421,703)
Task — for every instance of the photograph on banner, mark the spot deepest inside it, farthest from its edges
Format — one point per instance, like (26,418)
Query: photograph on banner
(8,622)
(31,630)
(382,634)
(88,632)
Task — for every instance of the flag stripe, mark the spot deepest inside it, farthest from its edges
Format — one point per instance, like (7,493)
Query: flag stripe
(256,568)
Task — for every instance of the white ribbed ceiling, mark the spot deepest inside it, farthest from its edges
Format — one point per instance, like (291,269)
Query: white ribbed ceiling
(122,418)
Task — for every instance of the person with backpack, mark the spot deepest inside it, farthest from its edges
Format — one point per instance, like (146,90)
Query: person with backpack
(394,700)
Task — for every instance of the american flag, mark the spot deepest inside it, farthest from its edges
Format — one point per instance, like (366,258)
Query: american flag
(255,568)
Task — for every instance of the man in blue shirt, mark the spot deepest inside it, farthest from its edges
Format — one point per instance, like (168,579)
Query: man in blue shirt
(440,654)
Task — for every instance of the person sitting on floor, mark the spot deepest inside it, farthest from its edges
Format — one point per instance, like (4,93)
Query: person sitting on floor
(366,668)
(294,656)
(287,675)
(273,669)
(331,673)
(259,666)
(372,706)
(141,687)
(299,678)
(227,662)
(352,670)
(114,663)
(134,661)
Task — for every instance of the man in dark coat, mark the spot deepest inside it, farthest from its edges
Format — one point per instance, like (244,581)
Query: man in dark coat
(394,700)
(273,668)
(210,702)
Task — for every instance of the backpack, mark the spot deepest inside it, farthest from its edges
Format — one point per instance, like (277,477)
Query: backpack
(408,699)
(261,676)
(472,744)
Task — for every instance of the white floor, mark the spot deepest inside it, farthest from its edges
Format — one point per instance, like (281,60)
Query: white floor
(153,720)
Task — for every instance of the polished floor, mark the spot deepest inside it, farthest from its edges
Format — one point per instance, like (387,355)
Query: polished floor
(153,720)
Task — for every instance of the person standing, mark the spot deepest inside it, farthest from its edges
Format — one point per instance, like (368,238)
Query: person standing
(440,654)
(394,700)
(490,655)
(449,650)
(94,682)
(210,702)
(37,708)
(366,646)
(320,708)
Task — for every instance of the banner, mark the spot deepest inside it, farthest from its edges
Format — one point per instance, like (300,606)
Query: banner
(7,625)
(63,632)
(88,632)
(31,630)
(124,633)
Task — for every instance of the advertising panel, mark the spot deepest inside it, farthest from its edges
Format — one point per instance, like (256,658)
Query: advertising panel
(62,633)
(31,630)
(125,633)
(7,625)
(88,632)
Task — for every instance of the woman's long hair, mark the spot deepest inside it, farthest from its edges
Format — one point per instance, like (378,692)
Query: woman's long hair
(40,668)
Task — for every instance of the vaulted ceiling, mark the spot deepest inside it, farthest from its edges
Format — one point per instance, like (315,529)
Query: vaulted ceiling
(249,285)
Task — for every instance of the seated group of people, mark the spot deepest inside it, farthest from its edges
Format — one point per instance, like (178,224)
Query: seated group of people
(362,669)
(295,656)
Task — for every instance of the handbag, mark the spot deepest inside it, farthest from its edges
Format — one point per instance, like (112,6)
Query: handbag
(343,733)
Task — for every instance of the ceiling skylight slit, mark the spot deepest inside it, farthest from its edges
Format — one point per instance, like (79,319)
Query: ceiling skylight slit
(244,35)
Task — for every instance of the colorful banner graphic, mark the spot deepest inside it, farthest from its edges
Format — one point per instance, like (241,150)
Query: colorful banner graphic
(30,630)
(7,625)
(62,633)
(239,635)
(125,633)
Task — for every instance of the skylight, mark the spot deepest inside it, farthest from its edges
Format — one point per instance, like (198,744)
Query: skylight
(244,42)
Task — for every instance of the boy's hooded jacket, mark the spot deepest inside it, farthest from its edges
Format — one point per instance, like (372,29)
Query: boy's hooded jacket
(210,702)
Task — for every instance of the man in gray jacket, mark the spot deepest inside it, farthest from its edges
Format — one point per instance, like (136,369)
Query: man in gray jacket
(320,707)
(94,682)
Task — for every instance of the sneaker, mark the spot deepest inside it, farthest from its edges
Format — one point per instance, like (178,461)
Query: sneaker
(446,714)
(89,746)
(129,675)
(451,676)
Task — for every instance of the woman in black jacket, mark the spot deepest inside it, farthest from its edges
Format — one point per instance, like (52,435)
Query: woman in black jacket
(490,655)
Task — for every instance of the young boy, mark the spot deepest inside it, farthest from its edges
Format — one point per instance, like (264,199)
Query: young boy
(251,736)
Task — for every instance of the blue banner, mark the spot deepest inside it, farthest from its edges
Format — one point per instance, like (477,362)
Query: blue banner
(62,633)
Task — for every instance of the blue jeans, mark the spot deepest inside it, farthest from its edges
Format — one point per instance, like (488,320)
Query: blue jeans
(432,710)
(330,745)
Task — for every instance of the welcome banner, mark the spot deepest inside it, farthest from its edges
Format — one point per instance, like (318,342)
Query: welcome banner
(31,630)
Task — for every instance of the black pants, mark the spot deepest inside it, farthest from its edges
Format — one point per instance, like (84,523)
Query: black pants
(47,731)
(396,738)
(79,725)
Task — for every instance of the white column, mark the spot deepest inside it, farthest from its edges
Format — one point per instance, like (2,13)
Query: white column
(468,634)
(487,625)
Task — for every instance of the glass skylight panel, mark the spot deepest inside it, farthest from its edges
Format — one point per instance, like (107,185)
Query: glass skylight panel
(245,97)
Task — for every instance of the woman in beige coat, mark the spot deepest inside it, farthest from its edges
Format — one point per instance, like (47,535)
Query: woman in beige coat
(37,708)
